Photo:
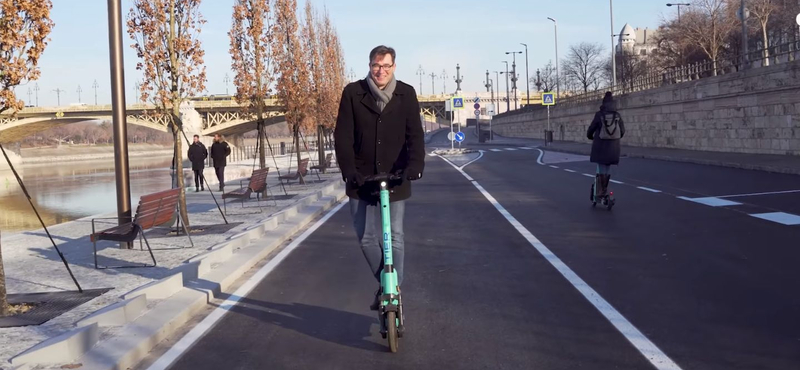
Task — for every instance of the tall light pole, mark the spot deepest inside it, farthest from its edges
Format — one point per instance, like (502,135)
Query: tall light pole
(444,81)
(79,91)
(679,5)
(514,74)
(29,96)
(58,95)
(459,80)
(558,71)
(743,15)
(497,88)
(420,73)
(508,94)
(613,47)
(95,86)
(226,80)
(433,81)
(527,78)
(36,91)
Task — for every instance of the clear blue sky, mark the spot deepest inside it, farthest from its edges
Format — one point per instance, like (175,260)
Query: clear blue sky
(433,33)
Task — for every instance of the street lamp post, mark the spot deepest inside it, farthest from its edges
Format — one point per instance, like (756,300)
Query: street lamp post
(95,86)
(79,91)
(514,74)
(613,47)
(420,73)
(459,80)
(497,88)
(558,71)
(36,91)
(527,78)
(508,94)
(29,95)
(679,5)
(444,81)
(743,14)
(226,80)
(433,82)
(58,95)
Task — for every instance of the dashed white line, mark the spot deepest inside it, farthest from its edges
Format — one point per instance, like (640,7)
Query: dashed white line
(569,170)
(757,194)
(712,201)
(648,189)
(639,341)
(588,175)
(527,148)
(511,149)
(617,182)
(782,218)
(556,167)
(496,150)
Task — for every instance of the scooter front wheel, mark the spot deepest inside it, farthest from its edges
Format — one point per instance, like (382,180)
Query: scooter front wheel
(391,328)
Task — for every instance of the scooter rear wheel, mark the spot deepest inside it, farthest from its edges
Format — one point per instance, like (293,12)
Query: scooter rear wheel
(391,326)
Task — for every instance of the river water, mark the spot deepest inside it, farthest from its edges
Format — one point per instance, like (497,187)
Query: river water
(71,190)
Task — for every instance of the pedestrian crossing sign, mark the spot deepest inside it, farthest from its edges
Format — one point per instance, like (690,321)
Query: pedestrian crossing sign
(458,102)
(548,98)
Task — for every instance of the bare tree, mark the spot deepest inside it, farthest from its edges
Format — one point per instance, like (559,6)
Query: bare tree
(762,10)
(293,81)
(585,64)
(166,39)
(24,28)
(547,77)
(251,38)
(708,26)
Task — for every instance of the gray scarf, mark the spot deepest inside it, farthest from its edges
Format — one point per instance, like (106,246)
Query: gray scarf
(382,97)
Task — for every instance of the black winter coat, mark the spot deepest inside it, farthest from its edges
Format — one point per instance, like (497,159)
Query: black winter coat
(371,142)
(219,153)
(197,155)
(604,151)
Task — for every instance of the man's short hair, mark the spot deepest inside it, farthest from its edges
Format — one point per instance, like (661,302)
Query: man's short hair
(197,136)
(381,51)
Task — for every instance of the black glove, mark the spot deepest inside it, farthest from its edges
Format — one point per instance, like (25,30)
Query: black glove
(412,174)
(356,179)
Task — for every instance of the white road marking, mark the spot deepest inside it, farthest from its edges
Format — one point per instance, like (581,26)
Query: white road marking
(617,182)
(556,167)
(204,326)
(496,150)
(472,161)
(527,148)
(588,175)
(541,155)
(569,170)
(639,341)
(712,201)
(757,194)
(779,217)
(648,189)
(511,149)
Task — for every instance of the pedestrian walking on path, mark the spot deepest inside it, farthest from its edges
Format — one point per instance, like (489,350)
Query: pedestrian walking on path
(197,155)
(606,132)
(220,151)
(379,131)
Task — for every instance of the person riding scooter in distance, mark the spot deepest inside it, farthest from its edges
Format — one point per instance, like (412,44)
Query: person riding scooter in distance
(606,131)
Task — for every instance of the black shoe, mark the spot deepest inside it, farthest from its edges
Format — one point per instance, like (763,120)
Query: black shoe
(196,190)
(377,302)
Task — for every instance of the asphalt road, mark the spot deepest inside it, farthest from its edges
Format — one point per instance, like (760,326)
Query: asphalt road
(713,287)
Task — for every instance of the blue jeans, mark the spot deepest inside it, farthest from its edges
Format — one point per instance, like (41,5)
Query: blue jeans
(603,169)
(367,222)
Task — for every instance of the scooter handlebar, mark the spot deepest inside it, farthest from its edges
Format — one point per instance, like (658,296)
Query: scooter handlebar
(382,177)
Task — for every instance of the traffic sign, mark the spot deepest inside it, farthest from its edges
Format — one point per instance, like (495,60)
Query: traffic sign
(460,136)
(548,98)
(490,110)
(797,19)
(477,106)
(477,112)
(451,136)
(448,106)
(458,102)
(476,100)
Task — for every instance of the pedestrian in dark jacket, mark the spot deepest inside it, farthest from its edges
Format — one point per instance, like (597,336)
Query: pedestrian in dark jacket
(606,131)
(220,151)
(378,131)
(197,155)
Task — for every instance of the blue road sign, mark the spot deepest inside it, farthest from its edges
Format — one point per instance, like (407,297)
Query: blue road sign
(460,136)
(476,100)
(548,99)
(477,106)
(458,103)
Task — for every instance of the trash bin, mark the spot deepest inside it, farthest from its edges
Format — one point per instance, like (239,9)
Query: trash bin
(548,136)
(283,148)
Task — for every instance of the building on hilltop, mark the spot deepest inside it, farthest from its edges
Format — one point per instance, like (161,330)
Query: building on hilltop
(637,41)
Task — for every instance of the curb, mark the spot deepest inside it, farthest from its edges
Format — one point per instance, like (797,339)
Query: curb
(174,300)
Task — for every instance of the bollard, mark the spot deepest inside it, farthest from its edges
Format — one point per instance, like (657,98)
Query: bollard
(283,148)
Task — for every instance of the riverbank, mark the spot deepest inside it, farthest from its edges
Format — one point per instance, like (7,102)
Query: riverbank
(73,153)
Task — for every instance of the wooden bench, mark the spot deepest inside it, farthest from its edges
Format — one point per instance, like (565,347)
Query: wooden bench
(323,166)
(155,209)
(302,171)
(258,185)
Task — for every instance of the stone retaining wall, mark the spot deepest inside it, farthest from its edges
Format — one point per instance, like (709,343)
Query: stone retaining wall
(755,111)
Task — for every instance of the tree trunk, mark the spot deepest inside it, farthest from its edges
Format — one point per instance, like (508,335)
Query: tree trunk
(297,149)
(176,137)
(262,151)
(4,309)
(765,39)
(321,148)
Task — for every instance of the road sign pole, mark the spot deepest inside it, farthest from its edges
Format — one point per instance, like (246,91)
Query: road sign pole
(546,142)
(452,144)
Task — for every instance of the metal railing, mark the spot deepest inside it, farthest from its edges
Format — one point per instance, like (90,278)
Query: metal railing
(774,55)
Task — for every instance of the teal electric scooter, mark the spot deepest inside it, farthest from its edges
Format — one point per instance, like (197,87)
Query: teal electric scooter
(390,311)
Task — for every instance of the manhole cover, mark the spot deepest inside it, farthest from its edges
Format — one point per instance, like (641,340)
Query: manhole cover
(47,306)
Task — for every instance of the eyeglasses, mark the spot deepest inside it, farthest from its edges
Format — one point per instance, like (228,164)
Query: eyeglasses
(377,67)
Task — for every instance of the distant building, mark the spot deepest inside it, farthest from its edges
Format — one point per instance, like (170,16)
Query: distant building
(637,41)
